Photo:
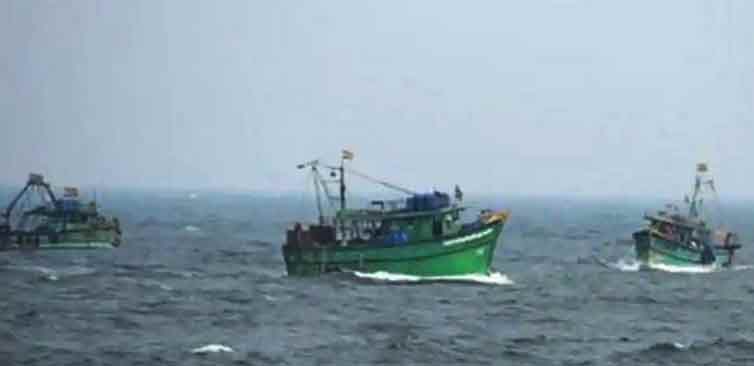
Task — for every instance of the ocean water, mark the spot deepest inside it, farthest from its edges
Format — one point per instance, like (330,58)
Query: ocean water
(200,281)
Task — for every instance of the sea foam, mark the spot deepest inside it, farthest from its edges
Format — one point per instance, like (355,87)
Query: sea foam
(625,265)
(629,265)
(683,269)
(211,348)
(494,278)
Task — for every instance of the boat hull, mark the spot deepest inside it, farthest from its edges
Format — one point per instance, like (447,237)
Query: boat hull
(655,250)
(468,253)
(90,239)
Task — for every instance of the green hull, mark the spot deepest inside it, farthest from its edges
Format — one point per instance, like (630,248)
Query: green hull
(90,239)
(654,250)
(79,245)
(467,253)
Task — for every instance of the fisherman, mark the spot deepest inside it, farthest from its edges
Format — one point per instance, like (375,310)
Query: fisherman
(297,230)
(728,240)
(667,231)
(458,194)
(708,255)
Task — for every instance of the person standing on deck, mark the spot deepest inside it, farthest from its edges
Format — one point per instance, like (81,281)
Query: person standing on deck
(458,194)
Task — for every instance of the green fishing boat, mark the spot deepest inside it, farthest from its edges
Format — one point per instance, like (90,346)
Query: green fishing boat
(37,219)
(421,234)
(678,238)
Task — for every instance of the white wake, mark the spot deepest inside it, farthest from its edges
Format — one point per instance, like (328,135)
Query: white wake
(633,265)
(211,348)
(625,265)
(684,269)
(494,278)
(55,274)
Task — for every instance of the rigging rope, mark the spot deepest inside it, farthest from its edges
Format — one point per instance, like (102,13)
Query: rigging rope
(381,182)
(718,206)
(325,190)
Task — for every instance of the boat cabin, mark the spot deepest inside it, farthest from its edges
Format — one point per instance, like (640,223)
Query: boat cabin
(679,229)
(418,218)
(688,231)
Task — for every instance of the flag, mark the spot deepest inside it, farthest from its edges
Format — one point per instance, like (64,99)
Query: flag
(70,192)
(347,155)
(702,168)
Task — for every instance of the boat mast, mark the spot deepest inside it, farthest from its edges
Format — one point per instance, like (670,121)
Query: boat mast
(693,210)
(345,155)
(696,204)
(317,185)
(342,185)
(317,193)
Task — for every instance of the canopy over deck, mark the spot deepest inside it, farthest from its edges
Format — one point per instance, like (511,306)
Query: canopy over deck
(676,220)
(377,215)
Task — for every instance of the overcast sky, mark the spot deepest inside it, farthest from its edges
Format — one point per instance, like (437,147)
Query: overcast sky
(521,97)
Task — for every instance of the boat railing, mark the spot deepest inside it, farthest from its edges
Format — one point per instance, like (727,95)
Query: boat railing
(389,205)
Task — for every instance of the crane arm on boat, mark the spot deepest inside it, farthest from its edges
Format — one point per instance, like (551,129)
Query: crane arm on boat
(35,181)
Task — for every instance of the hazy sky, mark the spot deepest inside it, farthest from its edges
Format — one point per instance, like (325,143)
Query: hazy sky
(522,97)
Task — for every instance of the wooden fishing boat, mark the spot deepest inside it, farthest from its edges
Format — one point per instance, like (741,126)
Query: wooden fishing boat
(686,239)
(38,219)
(421,235)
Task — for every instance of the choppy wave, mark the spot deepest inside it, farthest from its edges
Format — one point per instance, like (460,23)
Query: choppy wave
(625,265)
(156,284)
(211,348)
(192,228)
(719,351)
(44,271)
(494,278)
(666,351)
(176,273)
(663,347)
(54,274)
(147,283)
(741,267)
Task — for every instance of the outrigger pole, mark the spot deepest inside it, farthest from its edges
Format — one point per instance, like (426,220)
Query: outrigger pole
(315,173)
